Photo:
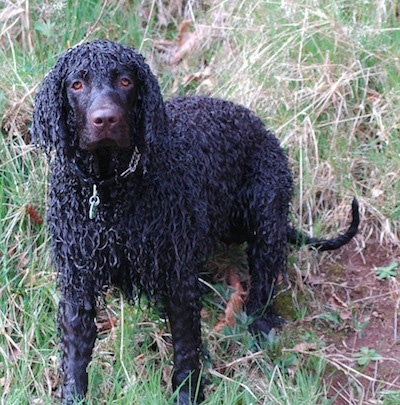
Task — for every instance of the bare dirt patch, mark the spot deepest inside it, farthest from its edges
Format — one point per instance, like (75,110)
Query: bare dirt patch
(364,345)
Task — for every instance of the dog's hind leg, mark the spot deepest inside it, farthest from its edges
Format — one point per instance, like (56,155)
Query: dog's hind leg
(267,254)
(78,334)
(266,262)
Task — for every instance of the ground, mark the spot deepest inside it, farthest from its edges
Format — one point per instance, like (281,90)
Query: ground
(353,314)
(351,311)
(367,329)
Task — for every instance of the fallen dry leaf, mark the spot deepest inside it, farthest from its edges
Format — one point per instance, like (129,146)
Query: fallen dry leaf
(340,306)
(33,214)
(105,322)
(304,347)
(14,352)
(196,77)
(335,302)
(187,42)
(345,315)
(235,303)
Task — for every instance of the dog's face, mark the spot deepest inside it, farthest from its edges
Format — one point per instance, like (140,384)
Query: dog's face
(101,104)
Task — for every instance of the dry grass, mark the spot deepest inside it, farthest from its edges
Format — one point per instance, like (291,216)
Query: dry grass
(324,77)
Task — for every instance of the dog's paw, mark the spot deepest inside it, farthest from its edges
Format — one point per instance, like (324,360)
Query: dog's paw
(263,325)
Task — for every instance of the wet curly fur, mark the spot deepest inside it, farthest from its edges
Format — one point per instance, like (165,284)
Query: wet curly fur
(173,179)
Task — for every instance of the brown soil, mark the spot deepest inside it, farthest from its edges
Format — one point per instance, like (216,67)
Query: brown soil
(368,309)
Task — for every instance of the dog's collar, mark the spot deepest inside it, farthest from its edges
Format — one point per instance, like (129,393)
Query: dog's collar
(98,182)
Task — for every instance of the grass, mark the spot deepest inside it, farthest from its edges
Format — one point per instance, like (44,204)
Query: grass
(323,75)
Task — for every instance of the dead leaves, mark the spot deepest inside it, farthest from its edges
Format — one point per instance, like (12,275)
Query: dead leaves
(33,214)
(183,51)
(340,307)
(105,322)
(188,41)
(235,304)
(203,77)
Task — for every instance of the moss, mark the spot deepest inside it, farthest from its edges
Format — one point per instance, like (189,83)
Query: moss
(335,272)
(283,305)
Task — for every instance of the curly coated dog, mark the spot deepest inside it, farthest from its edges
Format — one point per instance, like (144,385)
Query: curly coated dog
(141,190)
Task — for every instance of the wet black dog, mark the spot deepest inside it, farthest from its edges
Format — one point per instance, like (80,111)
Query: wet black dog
(140,193)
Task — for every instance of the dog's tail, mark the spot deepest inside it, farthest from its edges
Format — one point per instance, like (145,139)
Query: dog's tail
(299,239)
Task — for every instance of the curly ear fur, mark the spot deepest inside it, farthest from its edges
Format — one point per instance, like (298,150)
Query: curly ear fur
(52,127)
(49,115)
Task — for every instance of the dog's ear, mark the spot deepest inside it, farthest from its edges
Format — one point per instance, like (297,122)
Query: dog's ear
(150,109)
(49,127)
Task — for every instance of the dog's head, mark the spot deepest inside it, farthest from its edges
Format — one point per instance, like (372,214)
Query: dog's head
(100,96)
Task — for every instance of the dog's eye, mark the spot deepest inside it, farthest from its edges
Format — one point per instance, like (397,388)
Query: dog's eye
(77,85)
(125,82)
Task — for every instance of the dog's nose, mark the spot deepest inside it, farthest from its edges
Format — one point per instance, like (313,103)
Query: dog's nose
(104,118)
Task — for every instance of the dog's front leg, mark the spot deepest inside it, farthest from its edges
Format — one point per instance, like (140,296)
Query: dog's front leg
(184,318)
(78,334)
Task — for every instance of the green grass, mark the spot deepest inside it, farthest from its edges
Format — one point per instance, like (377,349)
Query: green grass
(323,77)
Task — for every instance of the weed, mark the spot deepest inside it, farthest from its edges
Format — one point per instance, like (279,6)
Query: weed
(366,355)
(386,272)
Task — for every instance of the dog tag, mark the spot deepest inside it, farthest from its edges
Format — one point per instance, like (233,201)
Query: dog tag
(94,202)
